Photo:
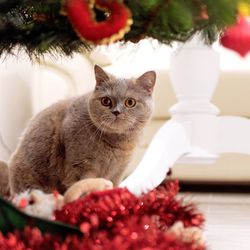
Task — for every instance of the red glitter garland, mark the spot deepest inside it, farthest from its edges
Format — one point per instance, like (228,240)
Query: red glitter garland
(116,219)
(105,208)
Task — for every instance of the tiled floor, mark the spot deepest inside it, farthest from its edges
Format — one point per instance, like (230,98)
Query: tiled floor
(227,220)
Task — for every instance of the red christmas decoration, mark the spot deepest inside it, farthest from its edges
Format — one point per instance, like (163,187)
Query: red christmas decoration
(82,18)
(117,219)
(237,37)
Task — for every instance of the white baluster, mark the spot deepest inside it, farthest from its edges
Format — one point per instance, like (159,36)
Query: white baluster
(194,73)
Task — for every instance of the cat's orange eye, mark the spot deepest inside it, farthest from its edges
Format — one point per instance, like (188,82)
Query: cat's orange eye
(130,102)
(106,101)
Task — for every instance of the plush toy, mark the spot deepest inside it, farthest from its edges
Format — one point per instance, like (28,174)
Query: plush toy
(37,203)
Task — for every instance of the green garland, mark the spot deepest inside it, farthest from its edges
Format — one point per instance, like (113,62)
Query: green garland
(38,27)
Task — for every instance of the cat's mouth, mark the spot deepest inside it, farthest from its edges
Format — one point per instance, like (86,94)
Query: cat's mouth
(117,124)
(113,124)
(116,121)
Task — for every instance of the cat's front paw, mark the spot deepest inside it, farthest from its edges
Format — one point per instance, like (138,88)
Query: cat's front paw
(86,186)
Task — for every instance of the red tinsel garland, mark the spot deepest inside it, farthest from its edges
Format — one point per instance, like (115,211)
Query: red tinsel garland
(116,219)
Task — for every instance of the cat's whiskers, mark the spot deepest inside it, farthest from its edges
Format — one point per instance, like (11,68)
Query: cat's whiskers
(90,125)
(135,126)
(101,130)
(98,129)
(96,132)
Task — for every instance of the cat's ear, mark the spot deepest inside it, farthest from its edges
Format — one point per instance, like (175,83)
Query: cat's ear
(100,75)
(147,81)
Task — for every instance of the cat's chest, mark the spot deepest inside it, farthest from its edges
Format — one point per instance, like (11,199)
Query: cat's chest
(92,148)
(108,152)
(103,154)
(95,140)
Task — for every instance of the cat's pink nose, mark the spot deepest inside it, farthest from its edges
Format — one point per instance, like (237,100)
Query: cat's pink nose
(116,113)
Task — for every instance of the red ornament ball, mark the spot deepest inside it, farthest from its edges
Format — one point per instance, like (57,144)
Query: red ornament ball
(82,18)
(237,37)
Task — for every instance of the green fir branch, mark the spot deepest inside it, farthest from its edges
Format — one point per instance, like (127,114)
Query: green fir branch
(38,27)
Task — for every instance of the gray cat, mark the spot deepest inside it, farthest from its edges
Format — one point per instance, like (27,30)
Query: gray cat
(86,140)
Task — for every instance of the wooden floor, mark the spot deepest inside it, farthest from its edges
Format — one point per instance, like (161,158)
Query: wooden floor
(227,220)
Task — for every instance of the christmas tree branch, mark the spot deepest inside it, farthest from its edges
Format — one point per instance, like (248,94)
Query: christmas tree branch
(153,13)
(38,27)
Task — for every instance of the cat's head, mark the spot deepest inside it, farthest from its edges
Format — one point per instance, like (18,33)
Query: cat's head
(121,105)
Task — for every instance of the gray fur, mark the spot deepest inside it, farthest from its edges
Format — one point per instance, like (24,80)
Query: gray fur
(80,138)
